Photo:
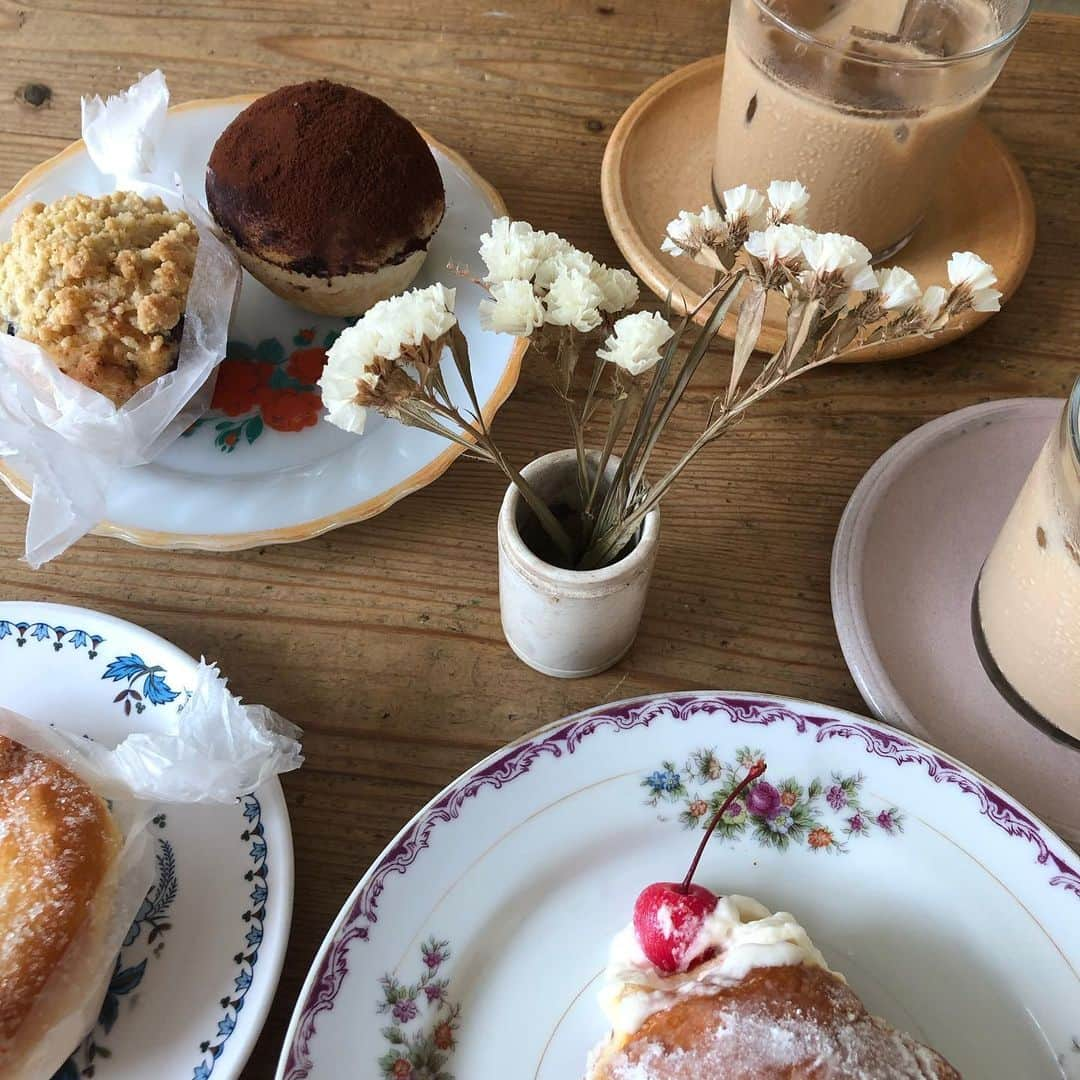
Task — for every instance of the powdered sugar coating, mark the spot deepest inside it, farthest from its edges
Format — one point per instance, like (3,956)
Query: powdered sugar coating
(764,1007)
(791,1023)
(58,844)
(776,1047)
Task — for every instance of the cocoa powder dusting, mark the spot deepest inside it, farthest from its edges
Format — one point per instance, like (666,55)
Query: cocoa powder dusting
(324,179)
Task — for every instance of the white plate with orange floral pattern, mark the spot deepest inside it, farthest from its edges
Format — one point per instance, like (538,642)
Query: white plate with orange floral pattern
(473,947)
(264,467)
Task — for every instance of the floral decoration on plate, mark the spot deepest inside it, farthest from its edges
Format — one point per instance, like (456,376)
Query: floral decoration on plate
(267,385)
(146,683)
(153,917)
(135,671)
(273,472)
(424,1022)
(254,919)
(57,636)
(822,814)
(526,862)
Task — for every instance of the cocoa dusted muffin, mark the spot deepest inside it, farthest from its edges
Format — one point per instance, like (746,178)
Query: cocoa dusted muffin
(329,196)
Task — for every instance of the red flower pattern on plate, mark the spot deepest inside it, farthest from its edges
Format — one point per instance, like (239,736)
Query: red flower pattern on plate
(238,385)
(306,365)
(265,386)
(287,409)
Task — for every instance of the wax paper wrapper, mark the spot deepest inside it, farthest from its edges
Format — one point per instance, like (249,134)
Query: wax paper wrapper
(69,440)
(216,750)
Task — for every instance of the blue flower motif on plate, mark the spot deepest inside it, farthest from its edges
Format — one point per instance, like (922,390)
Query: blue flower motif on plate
(133,669)
(255,917)
(127,976)
(58,636)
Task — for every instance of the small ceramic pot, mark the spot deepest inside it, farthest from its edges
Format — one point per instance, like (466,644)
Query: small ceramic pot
(568,623)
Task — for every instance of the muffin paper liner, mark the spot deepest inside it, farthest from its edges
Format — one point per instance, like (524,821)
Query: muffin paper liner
(69,440)
(215,750)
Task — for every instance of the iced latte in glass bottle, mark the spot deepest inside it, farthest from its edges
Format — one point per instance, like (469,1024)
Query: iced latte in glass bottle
(1026,611)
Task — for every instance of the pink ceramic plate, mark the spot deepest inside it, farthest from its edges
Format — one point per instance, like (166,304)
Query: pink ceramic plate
(906,558)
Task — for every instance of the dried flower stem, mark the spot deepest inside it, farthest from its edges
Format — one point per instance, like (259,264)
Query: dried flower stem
(608,544)
(626,486)
(433,400)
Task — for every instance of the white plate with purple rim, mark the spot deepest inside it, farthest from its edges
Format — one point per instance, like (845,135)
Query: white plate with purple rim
(474,946)
(905,561)
(199,967)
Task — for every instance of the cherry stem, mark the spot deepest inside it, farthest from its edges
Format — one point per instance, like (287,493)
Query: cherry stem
(755,771)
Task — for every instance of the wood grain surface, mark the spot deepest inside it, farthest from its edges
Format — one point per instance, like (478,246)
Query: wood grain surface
(383,639)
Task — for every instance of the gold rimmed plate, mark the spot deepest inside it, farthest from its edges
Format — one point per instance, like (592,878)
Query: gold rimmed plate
(658,162)
(264,467)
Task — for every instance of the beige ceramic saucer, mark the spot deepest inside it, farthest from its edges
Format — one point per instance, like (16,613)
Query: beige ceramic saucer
(658,162)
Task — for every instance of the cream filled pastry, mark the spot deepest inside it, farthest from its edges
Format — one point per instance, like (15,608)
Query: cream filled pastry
(702,987)
(738,936)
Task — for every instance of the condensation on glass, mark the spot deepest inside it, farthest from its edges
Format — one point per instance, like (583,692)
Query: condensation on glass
(864,101)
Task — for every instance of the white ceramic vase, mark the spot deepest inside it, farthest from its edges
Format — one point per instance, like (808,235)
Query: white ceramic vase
(568,623)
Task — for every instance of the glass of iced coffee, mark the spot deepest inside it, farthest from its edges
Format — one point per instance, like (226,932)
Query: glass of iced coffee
(865,102)
(1026,609)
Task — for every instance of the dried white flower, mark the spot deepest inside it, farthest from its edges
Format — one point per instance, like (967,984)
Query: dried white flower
(561,256)
(779,244)
(425,314)
(834,259)
(636,343)
(930,308)
(976,278)
(744,208)
(897,290)
(514,308)
(341,408)
(574,300)
(406,321)
(418,318)
(620,288)
(787,202)
(344,370)
(689,233)
(548,243)
(512,250)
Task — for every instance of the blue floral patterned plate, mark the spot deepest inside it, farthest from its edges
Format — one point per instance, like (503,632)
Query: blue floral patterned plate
(474,945)
(199,966)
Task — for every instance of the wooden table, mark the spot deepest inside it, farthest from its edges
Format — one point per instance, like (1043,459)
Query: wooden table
(383,639)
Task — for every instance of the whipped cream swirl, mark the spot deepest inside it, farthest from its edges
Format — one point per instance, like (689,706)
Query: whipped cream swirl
(742,933)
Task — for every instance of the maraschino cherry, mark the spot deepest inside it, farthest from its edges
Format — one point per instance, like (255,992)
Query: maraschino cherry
(668,915)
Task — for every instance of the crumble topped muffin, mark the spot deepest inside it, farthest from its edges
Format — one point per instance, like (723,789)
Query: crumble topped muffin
(101,285)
